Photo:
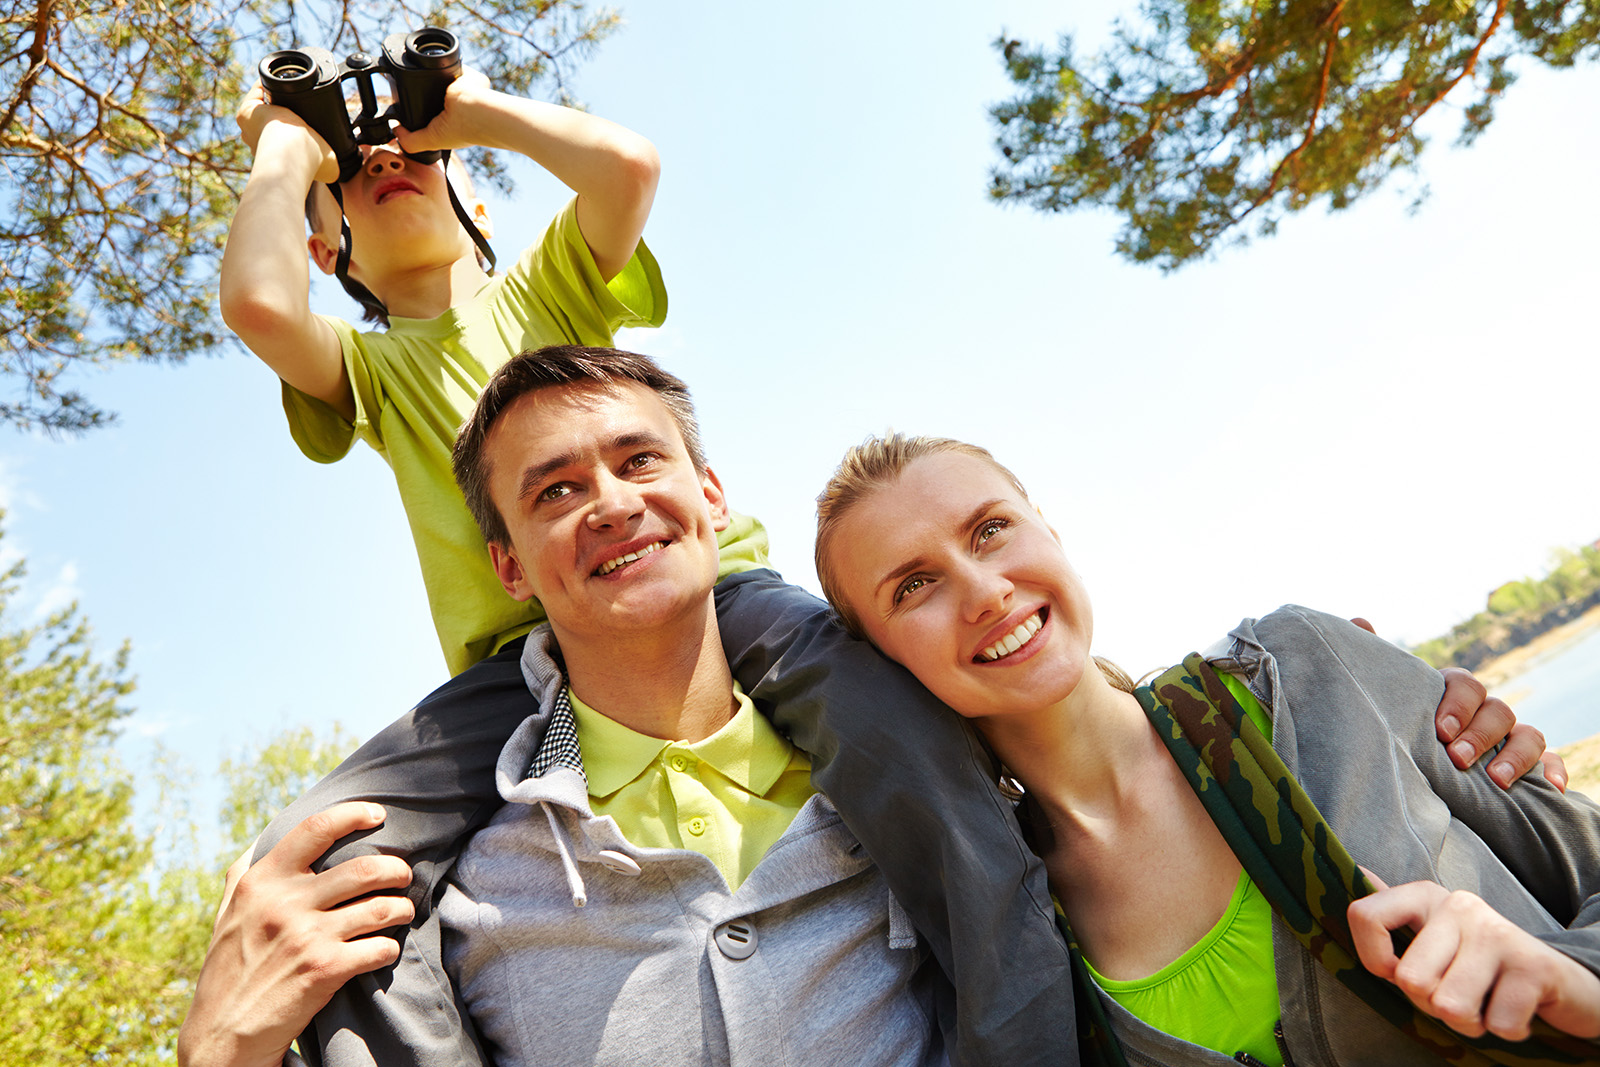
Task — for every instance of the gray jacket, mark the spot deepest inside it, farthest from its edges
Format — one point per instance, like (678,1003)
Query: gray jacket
(571,945)
(1353,719)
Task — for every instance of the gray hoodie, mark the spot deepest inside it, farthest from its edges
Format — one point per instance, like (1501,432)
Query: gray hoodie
(570,945)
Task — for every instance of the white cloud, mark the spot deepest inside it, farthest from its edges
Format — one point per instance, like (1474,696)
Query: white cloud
(152,726)
(60,593)
(661,343)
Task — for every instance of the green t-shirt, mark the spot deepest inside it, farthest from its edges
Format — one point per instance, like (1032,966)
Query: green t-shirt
(416,382)
(1222,993)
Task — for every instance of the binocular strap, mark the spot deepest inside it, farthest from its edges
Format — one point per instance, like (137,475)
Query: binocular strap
(341,267)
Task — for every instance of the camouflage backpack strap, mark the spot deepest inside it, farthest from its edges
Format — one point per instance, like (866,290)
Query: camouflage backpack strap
(1293,856)
(1097,1042)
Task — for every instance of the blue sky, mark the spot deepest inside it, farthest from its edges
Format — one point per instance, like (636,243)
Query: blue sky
(1374,412)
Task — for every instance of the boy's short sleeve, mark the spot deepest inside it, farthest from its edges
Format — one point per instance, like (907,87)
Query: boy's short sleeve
(322,433)
(558,273)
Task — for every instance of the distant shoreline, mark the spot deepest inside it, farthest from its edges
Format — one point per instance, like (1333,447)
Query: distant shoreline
(1500,675)
(1504,668)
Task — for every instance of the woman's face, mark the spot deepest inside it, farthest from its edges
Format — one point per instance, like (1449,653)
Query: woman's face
(955,575)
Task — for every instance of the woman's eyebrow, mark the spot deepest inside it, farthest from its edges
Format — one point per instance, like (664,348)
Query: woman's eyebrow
(916,563)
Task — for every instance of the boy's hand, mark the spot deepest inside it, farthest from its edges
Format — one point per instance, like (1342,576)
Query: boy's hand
(451,127)
(285,940)
(1469,966)
(285,132)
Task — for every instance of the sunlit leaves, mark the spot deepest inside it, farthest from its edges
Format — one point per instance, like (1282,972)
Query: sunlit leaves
(119,166)
(1205,121)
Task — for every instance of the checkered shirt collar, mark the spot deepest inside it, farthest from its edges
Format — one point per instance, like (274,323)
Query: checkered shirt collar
(560,745)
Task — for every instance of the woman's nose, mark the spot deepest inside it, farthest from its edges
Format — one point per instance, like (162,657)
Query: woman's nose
(985,592)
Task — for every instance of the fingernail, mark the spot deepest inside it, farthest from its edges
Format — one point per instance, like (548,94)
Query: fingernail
(1452,725)
(1502,773)
(376,810)
(1462,751)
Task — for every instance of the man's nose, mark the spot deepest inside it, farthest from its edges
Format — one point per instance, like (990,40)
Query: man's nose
(616,500)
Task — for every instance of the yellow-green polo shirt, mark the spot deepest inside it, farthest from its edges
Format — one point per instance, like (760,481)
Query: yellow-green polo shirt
(728,797)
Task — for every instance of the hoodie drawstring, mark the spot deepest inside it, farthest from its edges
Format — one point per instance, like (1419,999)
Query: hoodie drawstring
(580,895)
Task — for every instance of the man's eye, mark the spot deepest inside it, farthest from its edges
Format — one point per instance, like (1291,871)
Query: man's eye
(909,586)
(555,492)
(643,459)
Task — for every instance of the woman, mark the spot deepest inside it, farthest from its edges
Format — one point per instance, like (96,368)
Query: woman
(931,550)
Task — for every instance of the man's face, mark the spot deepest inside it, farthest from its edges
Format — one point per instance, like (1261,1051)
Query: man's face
(611,527)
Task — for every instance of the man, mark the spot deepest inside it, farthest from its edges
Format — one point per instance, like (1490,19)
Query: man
(664,885)
(582,467)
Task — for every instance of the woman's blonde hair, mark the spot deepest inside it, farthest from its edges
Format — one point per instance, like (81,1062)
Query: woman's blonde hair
(871,465)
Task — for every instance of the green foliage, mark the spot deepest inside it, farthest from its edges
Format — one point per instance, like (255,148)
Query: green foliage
(99,948)
(119,164)
(101,937)
(264,779)
(1521,609)
(1204,114)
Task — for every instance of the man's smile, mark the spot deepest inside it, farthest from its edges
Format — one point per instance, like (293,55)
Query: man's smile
(628,557)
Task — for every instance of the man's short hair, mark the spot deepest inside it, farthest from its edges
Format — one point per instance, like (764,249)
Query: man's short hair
(543,368)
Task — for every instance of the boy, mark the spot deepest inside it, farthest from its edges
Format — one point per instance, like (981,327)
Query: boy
(450,324)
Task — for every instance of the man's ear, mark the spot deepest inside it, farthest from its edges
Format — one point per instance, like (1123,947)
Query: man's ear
(718,500)
(509,570)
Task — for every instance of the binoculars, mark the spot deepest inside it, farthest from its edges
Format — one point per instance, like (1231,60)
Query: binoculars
(309,81)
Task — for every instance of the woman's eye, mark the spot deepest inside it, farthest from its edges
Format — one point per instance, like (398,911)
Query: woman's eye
(909,586)
(990,528)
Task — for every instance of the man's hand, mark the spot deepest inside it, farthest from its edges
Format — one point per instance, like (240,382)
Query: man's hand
(1469,722)
(285,941)
(1469,966)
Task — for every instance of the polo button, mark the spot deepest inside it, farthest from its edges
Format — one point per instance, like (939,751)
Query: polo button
(621,864)
(736,939)
(679,763)
(697,826)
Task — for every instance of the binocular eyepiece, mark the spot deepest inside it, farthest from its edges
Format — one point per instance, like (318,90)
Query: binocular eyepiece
(419,67)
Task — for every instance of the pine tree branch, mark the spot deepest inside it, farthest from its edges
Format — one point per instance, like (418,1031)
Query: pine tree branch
(36,54)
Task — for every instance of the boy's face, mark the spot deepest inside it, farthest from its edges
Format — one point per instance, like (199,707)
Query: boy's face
(400,217)
(611,527)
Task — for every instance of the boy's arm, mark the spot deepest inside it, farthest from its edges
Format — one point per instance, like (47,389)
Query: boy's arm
(266,279)
(612,169)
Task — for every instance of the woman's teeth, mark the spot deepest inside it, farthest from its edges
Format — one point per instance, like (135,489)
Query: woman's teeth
(1013,640)
(612,564)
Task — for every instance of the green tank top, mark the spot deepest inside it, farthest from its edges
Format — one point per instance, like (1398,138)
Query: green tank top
(1221,994)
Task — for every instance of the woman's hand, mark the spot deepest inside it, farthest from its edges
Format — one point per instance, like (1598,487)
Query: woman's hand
(1469,966)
